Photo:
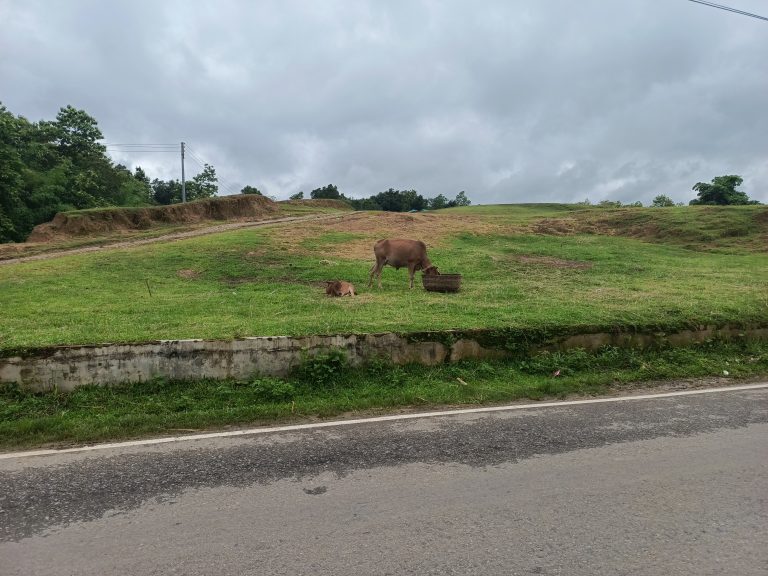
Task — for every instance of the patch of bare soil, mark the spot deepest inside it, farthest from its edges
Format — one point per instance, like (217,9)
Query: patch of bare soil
(188,274)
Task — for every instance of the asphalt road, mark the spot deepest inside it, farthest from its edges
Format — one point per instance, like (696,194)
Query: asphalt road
(646,487)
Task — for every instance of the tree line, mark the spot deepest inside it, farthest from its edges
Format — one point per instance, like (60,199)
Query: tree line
(720,192)
(390,200)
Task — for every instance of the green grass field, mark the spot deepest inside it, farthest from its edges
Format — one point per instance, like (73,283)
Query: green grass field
(529,266)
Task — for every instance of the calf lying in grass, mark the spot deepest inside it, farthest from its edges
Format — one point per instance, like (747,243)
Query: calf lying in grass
(339,288)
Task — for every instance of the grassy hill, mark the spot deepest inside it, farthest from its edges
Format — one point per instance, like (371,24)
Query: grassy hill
(556,267)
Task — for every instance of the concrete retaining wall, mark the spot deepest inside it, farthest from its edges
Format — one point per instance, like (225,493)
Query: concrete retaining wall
(67,367)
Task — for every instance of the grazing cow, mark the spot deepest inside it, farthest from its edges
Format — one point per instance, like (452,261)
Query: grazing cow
(400,254)
(339,288)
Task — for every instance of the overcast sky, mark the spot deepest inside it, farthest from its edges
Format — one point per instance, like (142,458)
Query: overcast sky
(512,101)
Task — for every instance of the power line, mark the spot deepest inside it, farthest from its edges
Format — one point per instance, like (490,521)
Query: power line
(222,183)
(142,145)
(202,164)
(138,148)
(729,9)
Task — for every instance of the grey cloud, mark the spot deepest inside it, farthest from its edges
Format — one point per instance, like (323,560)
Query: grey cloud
(510,101)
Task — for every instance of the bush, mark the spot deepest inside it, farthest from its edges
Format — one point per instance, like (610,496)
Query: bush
(386,373)
(273,390)
(322,369)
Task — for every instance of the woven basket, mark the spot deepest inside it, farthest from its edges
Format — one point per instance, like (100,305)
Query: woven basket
(441,282)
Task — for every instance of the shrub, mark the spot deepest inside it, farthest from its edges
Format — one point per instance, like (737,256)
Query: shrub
(273,390)
(322,369)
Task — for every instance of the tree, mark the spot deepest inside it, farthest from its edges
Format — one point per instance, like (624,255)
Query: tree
(297,196)
(662,201)
(166,192)
(140,175)
(461,199)
(329,192)
(76,133)
(721,192)
(204,184)
(363,203)
(251,190)
(438,202)
(11,168)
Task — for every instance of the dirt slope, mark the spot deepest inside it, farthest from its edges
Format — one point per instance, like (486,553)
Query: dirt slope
(66,225)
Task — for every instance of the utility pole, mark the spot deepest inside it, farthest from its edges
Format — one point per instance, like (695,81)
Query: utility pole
(183,180)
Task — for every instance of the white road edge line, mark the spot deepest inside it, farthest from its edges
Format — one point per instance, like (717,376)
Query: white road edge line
(394,417)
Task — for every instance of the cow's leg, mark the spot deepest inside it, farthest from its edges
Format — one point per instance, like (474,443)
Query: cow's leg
(411,272)
(376,269)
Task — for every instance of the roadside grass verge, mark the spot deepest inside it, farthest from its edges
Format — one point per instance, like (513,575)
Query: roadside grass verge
(325,387)
(265,282)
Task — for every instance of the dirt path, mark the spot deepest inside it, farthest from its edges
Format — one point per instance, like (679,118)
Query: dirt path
(175,236)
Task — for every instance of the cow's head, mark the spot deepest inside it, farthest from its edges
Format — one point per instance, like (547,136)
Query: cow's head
(431,271)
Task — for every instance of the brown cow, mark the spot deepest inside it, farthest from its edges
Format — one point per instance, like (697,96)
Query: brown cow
(400,254)
(339,288)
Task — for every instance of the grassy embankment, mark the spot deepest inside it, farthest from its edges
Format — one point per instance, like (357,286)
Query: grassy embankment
(538,267)
(525,267)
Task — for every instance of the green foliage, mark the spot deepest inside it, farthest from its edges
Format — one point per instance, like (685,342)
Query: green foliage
(386,373)
(329,192)
(202,185)
(251,190)
(297,196)
(392,200)
(400,200)
(322,369)
(54,166)
(614,204)
(461,199)
(166,191)
(76,134)
(273,390)
(721,192)
(438,202)
(662,201)
(579,360)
